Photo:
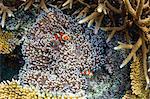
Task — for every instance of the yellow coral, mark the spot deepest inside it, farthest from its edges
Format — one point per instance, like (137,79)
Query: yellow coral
(13,90)
(138,82)
(5,47)
(137,78)
(129,95)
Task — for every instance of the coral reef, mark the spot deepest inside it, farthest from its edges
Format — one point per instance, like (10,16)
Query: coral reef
(4,11)
(6,44)
(138,82)
(52,61)
(134,13)
(114,85)
(142,34)
(13,89)
(55,66)
(42,5)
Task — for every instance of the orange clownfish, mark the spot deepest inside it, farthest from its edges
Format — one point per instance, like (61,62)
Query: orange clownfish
(87,73)
(62,37)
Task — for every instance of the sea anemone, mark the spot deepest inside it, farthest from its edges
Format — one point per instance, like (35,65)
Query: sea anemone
(57,67)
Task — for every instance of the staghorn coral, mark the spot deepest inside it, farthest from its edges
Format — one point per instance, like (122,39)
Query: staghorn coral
(97,16)
(135,13)
(53,66)
(4,11)
(104,7)
(134,49)
(100,8)
(13,90)
(143,32)
(7,11)
(42,5)
(138,82)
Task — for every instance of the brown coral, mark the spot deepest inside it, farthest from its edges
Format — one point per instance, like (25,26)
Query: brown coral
(97,16)
(42,5)
(4,11)
(142,32)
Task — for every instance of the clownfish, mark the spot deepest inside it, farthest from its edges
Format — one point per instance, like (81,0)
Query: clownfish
(87,73)
(62,37)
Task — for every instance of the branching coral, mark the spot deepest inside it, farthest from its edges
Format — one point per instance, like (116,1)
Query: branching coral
(4,11)
(69,3)
(134,12)
(143,32)
(137,14)
(97,16)
(42,5)
(102,9)
(134,48)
